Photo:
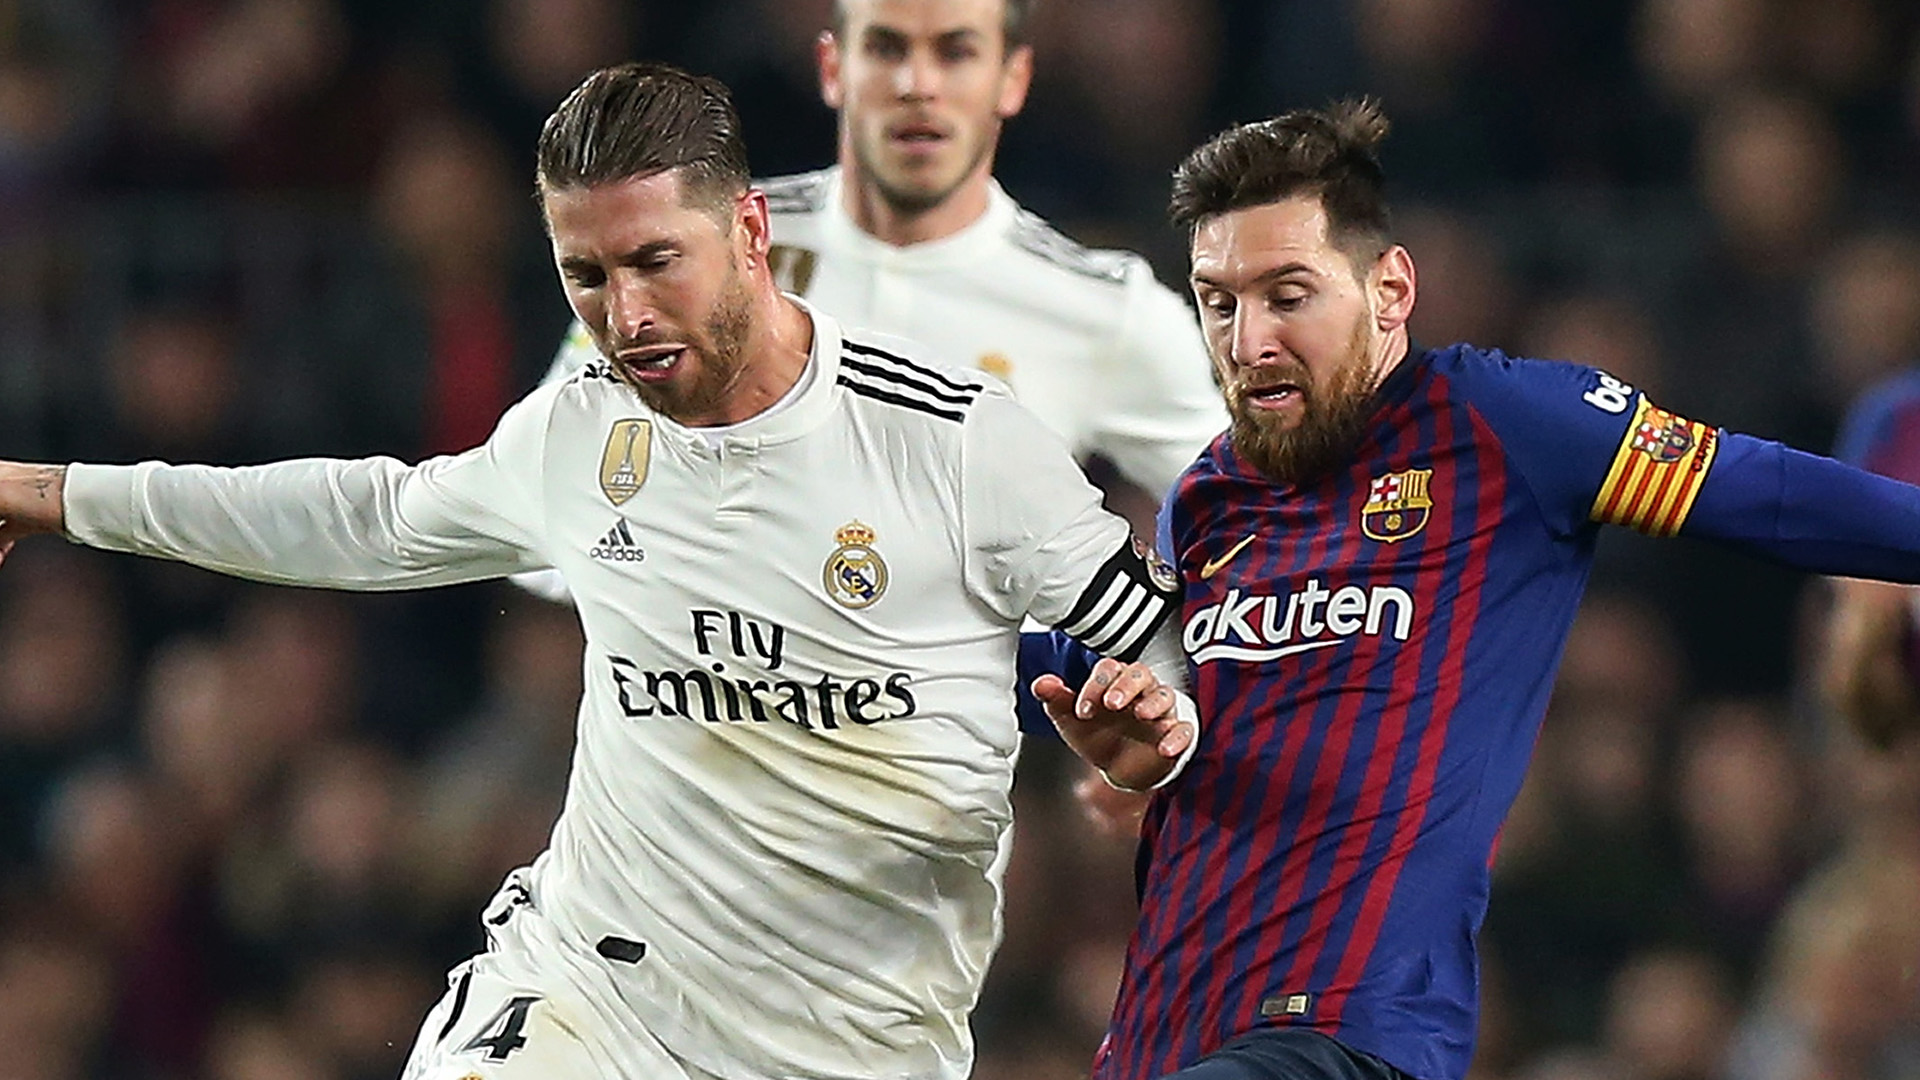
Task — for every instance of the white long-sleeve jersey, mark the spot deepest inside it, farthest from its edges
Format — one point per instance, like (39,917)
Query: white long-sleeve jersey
(1101,351)
(796,740)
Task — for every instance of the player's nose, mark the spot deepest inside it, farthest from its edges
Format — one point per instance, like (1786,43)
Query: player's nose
(630,310)
(1253,341)
(917,77)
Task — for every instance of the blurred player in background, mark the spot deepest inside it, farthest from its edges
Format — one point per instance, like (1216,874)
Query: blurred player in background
(1871,673)
(800,560)
(910,235)
(1382,561)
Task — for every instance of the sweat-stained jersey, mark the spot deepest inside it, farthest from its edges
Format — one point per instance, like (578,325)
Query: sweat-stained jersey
(1372,656)
(1106,356)
(796,740)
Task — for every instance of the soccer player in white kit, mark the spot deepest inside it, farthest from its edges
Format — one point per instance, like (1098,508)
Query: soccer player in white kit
(909,234)
(800,557)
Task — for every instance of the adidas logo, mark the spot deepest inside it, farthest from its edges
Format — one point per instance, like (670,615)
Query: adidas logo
(618,545)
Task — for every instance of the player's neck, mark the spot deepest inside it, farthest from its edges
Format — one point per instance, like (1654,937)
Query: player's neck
(777,349)
(877,216)
(1394,348)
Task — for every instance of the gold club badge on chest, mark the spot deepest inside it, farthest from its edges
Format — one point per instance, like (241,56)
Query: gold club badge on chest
(623,464)
(1398,505)
(855,574)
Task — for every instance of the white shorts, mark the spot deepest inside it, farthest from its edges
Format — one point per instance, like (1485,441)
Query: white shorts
(489,1027)
(516,1012)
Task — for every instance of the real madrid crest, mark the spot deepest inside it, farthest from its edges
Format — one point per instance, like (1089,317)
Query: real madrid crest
(1165,577)
(1397,505)
(623,464)
(855,574)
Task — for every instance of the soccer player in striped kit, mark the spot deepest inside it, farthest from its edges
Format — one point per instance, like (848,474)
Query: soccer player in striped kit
(1382,559)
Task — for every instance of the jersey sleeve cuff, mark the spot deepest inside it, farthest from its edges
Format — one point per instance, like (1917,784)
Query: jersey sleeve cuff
(97,505)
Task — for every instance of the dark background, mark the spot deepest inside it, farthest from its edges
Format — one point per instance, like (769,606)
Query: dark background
(244,830)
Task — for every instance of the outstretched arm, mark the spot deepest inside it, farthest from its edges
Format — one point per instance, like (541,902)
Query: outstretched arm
(1809,512)
(372,523)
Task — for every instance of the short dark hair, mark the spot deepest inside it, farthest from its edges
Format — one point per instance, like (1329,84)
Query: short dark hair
(635,120)
(1332,153)
(1013,21)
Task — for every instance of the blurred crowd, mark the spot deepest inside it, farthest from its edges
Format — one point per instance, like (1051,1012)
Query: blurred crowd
(244,830)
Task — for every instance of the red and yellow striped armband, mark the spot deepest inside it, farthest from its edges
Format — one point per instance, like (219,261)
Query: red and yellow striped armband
(1656,473)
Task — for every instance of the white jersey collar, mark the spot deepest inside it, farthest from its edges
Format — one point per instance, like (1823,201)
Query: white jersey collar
(975,242)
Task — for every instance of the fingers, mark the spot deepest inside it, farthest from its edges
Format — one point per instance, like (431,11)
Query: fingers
(1051,688)
(1102,676)
(1158,709)
(1114,686)
(1156,703)
(1054,695)
(1174,741)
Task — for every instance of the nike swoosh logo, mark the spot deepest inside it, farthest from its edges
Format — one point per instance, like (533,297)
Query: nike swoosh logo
(1208,568)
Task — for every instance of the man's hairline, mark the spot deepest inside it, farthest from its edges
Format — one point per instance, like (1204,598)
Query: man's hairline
(719,207)
(837,25)
(1361,263)
(542,185)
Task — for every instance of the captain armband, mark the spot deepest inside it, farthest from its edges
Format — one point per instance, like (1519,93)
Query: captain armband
(1657,472)
(1131,594)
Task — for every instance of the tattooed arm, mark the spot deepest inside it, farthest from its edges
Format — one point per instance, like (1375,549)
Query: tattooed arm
(31,500)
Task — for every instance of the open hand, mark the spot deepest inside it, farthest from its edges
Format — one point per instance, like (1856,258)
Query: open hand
(1123,721)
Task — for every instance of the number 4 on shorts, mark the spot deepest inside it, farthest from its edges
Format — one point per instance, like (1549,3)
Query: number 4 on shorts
(501,1036)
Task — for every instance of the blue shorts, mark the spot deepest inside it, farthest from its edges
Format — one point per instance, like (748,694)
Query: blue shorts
(1287,1053)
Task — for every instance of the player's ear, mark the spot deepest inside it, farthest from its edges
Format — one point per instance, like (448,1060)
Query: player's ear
(1393,284)
(753,226)
(1015,78)
(826,57)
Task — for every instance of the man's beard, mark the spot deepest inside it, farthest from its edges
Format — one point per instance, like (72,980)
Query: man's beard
(721,349)
(1329,430)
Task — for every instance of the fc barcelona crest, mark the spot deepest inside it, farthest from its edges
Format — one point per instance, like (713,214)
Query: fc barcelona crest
(1662,436)
(623,464)
(1397,505)
(855,574)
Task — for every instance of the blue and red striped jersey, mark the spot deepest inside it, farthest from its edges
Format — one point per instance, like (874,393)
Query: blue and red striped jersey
(1372,656)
